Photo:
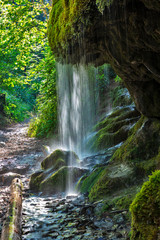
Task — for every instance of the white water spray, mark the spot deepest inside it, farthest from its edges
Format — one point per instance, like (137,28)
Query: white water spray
(77,109)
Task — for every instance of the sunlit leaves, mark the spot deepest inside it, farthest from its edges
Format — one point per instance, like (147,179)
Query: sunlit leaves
(22,37)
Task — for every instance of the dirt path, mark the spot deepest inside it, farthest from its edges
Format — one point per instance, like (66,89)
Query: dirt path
(19,156)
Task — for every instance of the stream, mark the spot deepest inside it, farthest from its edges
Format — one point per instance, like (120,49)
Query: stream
(56,216)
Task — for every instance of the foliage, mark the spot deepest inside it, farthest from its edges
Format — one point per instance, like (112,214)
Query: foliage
(16,108)
(22,46)
(145,210)
(104,75)
(45,124)
(103,3)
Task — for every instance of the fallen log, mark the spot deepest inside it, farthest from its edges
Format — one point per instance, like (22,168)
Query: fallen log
(12,225)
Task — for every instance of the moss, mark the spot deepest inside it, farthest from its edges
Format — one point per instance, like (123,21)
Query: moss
(103,3)
(89,181)
(63,16)
(145,210)
(113,129)
(58,157)
(106,139)
(117,115)
(51,160)
(120,96)
(35,180)
(111,179)
(142,144)
(56,182)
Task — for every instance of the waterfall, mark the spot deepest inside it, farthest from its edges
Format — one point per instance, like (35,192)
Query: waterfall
(77,108)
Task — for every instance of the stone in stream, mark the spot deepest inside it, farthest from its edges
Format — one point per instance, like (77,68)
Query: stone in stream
(6,179)
(59,158)
(52,178)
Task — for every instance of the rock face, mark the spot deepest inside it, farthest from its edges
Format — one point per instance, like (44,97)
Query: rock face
(114,128)
(125,34)
(131,163)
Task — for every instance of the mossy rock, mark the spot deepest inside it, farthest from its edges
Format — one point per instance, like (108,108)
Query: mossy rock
(36,179)
(131,163)
(57,182)
(113,129)
(87,183)
(64,14)
(142,144)
(145,210)
(58,159)
(112,179)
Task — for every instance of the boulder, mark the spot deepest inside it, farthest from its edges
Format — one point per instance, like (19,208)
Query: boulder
(131,163)
(58,181)
(52,178)
(59,158)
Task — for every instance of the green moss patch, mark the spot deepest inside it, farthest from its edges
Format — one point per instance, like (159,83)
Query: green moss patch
(111,179)
(63,16)
(90,180)
(145,210)
(142,144)
(113,129)
(58,159)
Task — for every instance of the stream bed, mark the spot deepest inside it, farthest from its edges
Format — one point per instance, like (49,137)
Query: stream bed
(58,217)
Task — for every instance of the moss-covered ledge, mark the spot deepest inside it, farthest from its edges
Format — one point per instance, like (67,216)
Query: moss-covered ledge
(70,22)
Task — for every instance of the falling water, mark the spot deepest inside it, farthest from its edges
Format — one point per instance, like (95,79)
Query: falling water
(77,109)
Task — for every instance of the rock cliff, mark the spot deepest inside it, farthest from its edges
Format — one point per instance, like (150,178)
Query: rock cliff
(125,34)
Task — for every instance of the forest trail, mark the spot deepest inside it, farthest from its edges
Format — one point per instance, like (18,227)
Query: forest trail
(19,157)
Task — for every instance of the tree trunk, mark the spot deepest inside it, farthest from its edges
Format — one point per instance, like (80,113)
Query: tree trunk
(12,226)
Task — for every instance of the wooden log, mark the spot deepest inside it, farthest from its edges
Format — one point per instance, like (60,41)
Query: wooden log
(12,225)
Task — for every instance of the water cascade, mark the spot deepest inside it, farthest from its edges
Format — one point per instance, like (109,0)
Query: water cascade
(77,108)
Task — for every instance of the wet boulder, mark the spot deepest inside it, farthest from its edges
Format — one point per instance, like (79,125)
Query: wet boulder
(53,176)
(131,163)
(59,158)
(58,181)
